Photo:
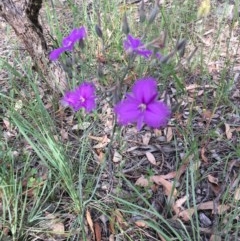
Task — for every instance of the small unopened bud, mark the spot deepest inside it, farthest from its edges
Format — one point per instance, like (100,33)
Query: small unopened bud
(153,14)
(81,43)
(142,15)
(180,47)
(125,26)
(181,44)
(98,31)
(100,71)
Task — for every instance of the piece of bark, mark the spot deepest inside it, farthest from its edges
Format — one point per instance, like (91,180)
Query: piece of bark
(29,31)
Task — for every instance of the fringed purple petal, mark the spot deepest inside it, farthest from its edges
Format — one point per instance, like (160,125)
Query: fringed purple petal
(156,114)
(145,90)
(54,55)
(127,112)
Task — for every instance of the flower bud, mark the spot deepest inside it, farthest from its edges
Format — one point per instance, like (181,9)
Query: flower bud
(98,31)
(100,72)
(142,15)
(81,43)
(153,14)
(125,26)
(181,44)
(180,47)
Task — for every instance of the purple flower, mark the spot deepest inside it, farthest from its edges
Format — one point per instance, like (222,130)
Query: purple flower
(68,42)
(81,97)
(74,36)
(134,45)
(141,106)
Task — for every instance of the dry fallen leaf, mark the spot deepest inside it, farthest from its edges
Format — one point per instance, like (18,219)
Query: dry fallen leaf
(99,156)
(103,141)
(89,220)
(223,208)
(116,217)
(237,194)
(142,182)
(186,215)
(205,206)
(146,138)
(58,228)
(97,138)
(112,224)
(119,218)
(52,222)
(167,186)
(177,206)
(98,231)
(212,179)
(159,180)
(7,124)
(64,134)
(181,201)
(141,224)
(210,206)
(117,157)
(151,158)
(200,92)
(204,158)
(176,174)
(228,131)
(168,133)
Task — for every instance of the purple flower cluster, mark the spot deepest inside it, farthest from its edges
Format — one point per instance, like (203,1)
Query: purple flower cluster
(68,42)
(141,105)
